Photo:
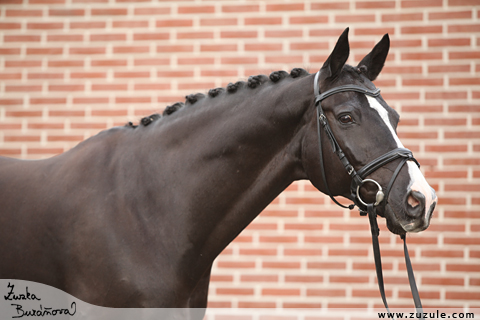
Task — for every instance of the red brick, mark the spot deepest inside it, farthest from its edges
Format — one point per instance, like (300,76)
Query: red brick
(196,86)
(132,74)
(151,62)
(402,70)
(400,17)
(23,12)
(374,31)
(44,25)
(65,63)
(45,51)
(110,113)
(421,4)
(130,24)
(263,21)
(87,51)
(65,38)
(88,25)
(235,291)
(66,87)
(88,75)
(46,1)
(219,22)
(23,88)
(448,68)
(448,15)
(10,51)
(174,23)
(152,11)
(352,18)
(10,25)
(238,34)
(239,60)
(240,8)
(456,42)
(151,36)
(464,55)
(217,47)
(421,56)
(375,4)
(454,3)
(462,295)
(196,9)
(308,20)
(334,5)
(152,86)
(22,138)
(133,100)
(22,38)
(446,95)
(280,292)
(289,7)
(109,37)
(10,102)
(422,82)
(100,100)
(422,29)
(44,75)
(131,49)
(109,12)
(326,292)
(66,12)
(283,33)
(108,63)
(236,264)
(280,265)
(175,74)
(464,28)
(109,87)
(195,35)
(263,47)
(251,304)
(308,46)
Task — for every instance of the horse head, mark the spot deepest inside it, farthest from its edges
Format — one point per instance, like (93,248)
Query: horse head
(361,126)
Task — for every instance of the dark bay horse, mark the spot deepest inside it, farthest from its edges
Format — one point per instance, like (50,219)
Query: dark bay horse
(136,215)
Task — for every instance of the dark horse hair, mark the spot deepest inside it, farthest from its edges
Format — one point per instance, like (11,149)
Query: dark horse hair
(252,83)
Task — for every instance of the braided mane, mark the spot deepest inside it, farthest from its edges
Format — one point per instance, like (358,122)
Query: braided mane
(252,83)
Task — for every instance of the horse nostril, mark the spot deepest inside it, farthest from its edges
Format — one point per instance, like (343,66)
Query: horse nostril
(415,204)
(412,201)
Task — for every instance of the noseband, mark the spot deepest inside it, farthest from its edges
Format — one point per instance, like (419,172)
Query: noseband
(359,178)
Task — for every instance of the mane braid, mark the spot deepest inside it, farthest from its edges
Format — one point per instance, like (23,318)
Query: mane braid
(252,83)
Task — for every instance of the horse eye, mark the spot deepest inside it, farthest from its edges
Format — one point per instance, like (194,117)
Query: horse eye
(346,118)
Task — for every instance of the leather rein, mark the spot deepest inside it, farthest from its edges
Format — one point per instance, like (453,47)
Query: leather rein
(359,178)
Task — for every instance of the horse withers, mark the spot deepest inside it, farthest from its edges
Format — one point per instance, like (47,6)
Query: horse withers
(136,215)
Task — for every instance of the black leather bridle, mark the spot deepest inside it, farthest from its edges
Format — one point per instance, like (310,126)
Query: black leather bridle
(359,178)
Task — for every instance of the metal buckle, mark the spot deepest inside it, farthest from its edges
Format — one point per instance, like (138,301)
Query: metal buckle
(379,196)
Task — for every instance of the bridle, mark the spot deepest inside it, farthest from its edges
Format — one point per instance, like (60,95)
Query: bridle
(359,178)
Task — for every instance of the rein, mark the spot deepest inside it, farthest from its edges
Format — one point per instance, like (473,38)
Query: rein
(359,178)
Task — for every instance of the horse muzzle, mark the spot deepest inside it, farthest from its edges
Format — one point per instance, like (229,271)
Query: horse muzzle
(419,208)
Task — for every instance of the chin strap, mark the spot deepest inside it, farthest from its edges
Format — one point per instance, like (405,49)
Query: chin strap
(372,216)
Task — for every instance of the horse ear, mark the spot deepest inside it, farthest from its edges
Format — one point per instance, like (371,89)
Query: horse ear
(373,62)
(335,62)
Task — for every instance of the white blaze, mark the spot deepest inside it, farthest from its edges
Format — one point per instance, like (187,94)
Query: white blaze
(417,180)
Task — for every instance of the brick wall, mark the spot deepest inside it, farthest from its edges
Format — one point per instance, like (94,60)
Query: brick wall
(70,68)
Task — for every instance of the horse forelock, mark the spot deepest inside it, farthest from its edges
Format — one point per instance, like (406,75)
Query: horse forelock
(238,87)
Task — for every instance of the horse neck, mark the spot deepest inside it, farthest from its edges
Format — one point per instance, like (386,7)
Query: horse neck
(228,157)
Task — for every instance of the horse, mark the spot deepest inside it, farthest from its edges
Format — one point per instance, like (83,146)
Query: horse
(136,215)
